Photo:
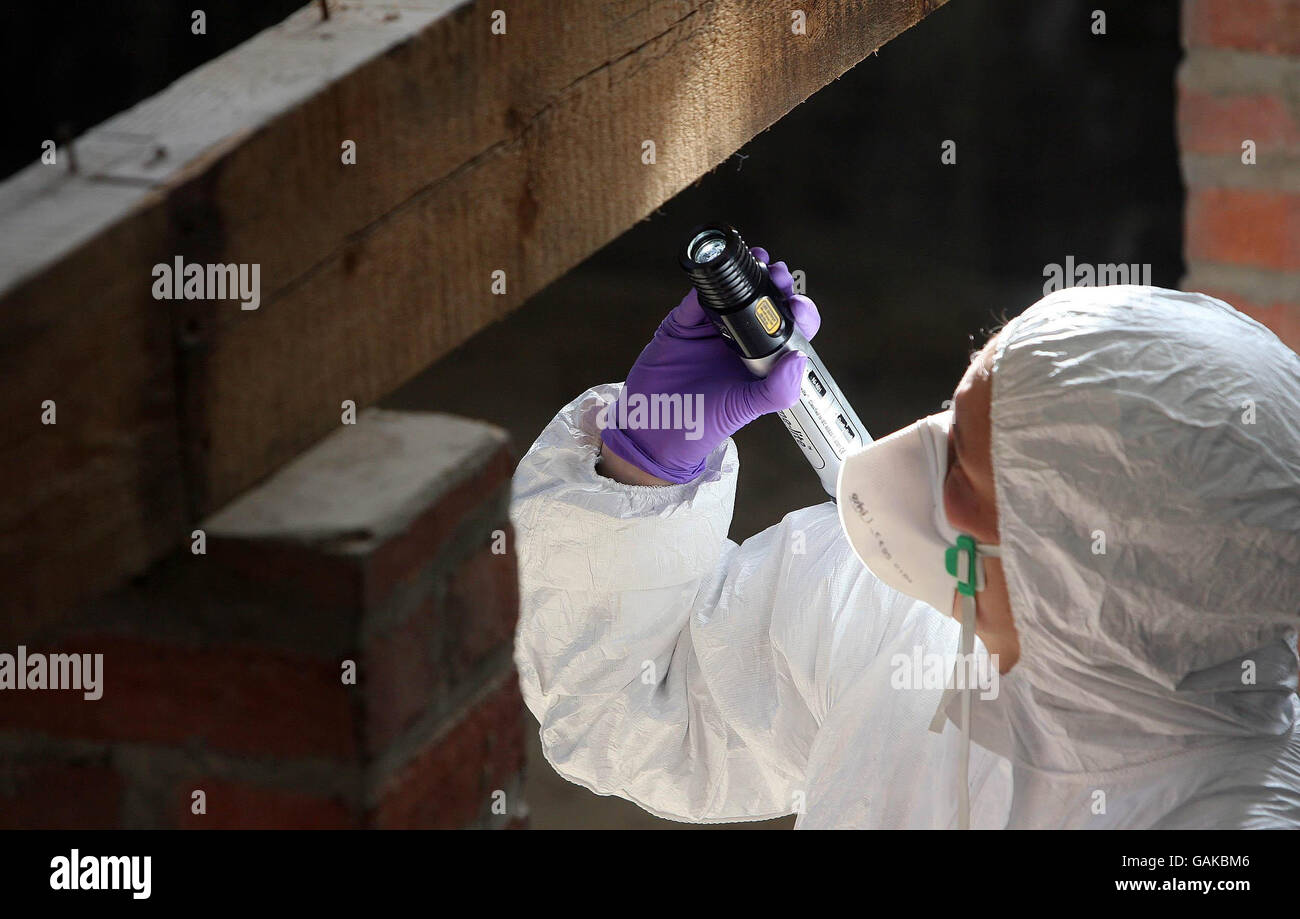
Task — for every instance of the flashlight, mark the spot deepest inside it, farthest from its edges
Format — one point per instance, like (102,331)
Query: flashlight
(749,311)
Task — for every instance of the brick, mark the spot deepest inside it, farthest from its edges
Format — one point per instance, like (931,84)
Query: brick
(482,607)
(375,545)
(232,698)
(398,675)
(1271,26)
(1209,123)
(366,510)
(1244,227)
(450,781)
(51,794)
(426,657)
(240,806)
(1282,317)
(288,572)
(400,558)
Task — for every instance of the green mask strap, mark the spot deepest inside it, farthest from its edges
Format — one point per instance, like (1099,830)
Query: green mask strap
(951,558)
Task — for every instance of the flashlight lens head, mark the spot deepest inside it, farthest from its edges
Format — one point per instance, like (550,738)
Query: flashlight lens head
(735,290)
(708,248)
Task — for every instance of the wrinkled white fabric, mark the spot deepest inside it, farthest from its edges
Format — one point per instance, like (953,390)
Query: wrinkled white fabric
(711,682)
(707,681)
(890,496)
(1156,680)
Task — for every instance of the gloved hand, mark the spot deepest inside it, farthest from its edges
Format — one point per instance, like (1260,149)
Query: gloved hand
(687,356)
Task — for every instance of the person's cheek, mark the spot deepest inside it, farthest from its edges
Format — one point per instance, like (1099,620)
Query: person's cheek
(967,513)
(961,503)
(956,500)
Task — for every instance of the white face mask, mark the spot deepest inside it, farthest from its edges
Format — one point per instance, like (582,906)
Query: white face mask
(891,509)
(890,497)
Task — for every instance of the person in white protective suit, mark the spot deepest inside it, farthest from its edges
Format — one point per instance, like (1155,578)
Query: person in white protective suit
(1124,463)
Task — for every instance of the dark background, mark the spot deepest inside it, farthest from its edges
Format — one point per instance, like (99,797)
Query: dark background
(1065,146)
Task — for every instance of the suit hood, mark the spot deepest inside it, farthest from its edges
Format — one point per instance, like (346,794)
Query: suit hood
(1146,456)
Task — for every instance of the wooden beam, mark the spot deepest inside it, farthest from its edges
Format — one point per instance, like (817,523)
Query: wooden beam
(475,152)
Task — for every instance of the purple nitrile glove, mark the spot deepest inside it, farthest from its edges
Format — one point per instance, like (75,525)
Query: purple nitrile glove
(689,391)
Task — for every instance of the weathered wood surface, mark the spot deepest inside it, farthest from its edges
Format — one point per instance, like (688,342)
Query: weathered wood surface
(475,152)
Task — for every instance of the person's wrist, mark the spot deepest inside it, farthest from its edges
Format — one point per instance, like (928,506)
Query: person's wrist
(613,466)
(662,457)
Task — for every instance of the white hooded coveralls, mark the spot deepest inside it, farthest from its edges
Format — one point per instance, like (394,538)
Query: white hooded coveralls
(709,681)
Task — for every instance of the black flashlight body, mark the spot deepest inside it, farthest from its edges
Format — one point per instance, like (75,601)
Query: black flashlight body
(749,311)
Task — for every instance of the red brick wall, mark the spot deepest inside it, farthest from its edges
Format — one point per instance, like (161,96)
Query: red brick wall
(223,672)
(1241,82)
